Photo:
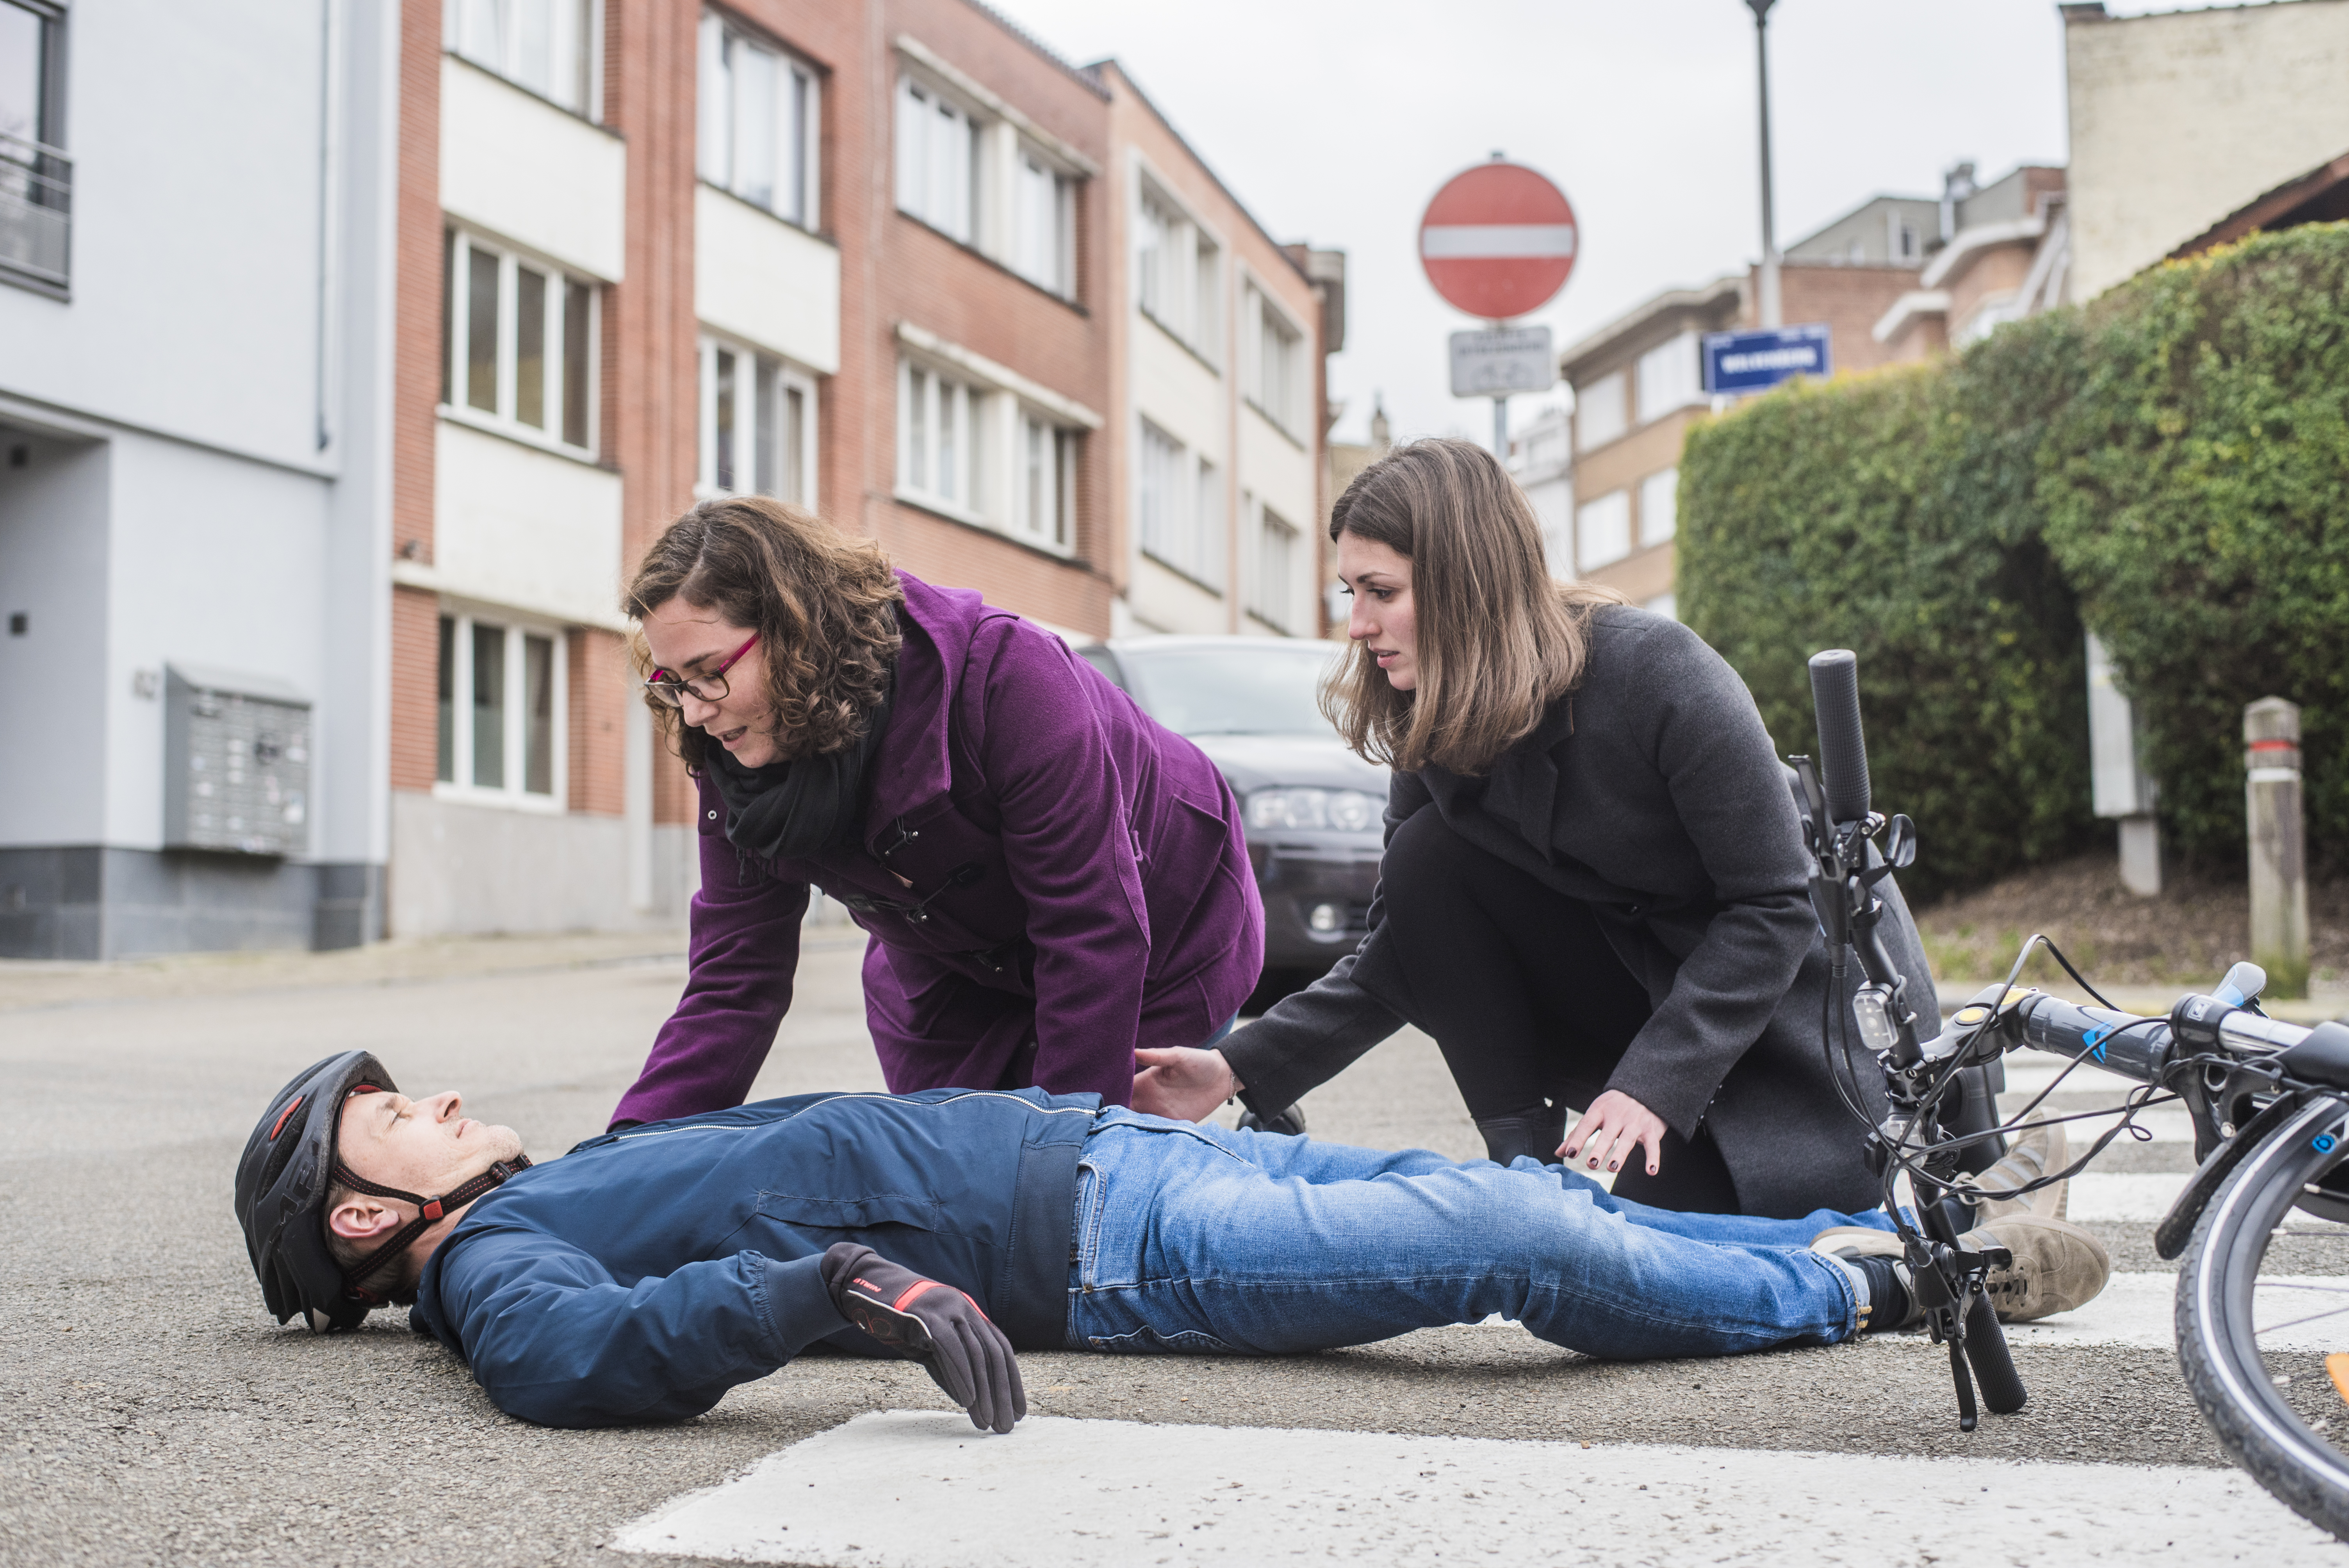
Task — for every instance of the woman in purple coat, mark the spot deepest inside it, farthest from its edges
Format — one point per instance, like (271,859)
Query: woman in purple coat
(1050,880)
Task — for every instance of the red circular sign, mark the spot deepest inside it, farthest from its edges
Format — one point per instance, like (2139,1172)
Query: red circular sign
(1497,241)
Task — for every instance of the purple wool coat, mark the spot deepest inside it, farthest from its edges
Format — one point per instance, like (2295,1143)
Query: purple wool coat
(1082,880)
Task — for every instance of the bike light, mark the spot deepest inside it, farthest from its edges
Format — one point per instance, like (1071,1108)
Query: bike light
(1872,1006)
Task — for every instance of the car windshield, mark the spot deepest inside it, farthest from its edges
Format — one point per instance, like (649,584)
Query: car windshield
(1244,689)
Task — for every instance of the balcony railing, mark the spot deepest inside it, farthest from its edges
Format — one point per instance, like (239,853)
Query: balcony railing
(36,211)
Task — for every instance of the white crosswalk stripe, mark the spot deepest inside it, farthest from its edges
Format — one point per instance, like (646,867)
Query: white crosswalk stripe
(919,1490)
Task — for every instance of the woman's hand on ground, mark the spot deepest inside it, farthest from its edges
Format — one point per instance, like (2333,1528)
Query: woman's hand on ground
(1612,1130)
(1184,1082)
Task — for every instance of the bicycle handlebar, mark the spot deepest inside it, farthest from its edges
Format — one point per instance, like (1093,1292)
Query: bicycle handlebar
(1842,751)
(2145,1048)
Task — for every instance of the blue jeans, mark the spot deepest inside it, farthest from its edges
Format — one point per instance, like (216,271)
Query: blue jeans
(1191,1239)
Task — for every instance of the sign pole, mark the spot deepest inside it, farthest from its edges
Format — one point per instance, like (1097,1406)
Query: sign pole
(1501,427)
(1773,311)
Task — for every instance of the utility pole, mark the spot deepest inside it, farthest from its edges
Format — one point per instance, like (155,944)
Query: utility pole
(1773,313)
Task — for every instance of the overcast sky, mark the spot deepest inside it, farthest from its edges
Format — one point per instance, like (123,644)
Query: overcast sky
(1335,120)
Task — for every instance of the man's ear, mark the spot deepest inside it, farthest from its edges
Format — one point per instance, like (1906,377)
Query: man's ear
(361,1218)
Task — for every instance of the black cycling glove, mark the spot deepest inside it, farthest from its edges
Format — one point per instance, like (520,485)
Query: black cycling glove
(933,1323)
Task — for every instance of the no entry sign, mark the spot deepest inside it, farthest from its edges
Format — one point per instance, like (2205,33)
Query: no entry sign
(1497,241)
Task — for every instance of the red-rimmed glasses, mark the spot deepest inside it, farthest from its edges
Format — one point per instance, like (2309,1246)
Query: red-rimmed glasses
(673,690)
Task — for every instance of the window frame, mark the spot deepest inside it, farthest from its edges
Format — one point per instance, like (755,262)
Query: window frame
(991,422)
(1272,595)
(1615,386)
(460,243)
(1614,500)
(591,52)
(941,103)
(1188,306)
(1026,157)
(1191,512)
(723,28)
(949,400)
(1269,317)
(1666,481)
(456,756)
(773,379)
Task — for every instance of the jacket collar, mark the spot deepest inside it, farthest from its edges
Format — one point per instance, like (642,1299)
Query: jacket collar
(914,764)
(1523,788)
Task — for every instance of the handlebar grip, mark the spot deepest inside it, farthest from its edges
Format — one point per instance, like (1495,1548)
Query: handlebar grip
(1842,751)
(2123,1043)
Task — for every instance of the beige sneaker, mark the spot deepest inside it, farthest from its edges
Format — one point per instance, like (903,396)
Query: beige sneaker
(2057,1266)
(2036,1150)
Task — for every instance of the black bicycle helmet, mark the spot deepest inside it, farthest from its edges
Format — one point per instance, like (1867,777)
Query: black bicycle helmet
(288,1167)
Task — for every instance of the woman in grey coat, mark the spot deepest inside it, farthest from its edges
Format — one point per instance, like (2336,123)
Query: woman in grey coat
(1594,889)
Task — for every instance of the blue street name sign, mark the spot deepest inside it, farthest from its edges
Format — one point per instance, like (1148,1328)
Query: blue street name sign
(1738,362)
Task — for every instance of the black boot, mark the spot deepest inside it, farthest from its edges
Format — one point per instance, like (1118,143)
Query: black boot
(1289,1123)
(1536,1130)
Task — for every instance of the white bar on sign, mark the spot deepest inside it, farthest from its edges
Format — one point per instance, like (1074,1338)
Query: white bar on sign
(1463,241)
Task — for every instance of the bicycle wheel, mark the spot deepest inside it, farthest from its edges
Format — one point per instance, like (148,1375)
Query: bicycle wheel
(2264,1297)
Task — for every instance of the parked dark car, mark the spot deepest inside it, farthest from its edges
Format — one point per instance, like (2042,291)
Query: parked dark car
(1312,807)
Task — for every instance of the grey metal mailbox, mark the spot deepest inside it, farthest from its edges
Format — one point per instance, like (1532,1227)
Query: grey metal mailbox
(236,751)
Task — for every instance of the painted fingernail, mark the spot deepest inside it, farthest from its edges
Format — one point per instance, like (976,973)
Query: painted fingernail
(1614,1165)
(1594,1162)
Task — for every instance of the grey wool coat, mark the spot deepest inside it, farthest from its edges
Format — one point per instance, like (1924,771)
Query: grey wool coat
(1653,794)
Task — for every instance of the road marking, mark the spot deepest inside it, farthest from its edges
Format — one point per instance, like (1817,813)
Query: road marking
(2120,1199)
(904,1489)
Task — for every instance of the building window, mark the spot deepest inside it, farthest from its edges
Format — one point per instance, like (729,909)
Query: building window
(35,178)
(1179,506)
(1276,382)
(545,46)
(759,122)
(1660,502)
(1178,274)
(1276,571)
(1671,377)
(1667,605)
(1603,528)
(756,424)
(1598,412)
(1044,230)
(521,343)
(1043,509)
(938,160)
(502,702)
(937,430)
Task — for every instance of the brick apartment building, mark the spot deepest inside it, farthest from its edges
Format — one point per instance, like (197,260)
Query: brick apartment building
(1896,278)
(575,264)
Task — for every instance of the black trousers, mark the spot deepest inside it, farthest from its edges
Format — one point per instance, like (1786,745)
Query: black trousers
(1528,1001)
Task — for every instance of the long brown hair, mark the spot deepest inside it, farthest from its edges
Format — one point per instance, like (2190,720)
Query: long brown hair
(824,605)
(1498,640)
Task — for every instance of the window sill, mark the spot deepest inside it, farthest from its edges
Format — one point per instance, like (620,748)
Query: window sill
(33,282)
(972,519)
(590,121)
(505,800)
(1285,433)
(819,236)
(1270,625)
(1004,267)
(1179,341)
(519,435)
(1184,572)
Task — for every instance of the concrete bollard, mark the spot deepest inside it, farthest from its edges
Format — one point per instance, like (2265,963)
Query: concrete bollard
(2278,843)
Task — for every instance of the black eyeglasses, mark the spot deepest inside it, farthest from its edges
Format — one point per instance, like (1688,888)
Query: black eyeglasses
(673,690)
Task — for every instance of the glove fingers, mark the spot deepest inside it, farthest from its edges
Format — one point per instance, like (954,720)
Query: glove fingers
(1010,1393)
(991,1365)
(949,1365)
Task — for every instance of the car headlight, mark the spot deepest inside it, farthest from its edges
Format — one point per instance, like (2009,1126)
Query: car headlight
(1347,810)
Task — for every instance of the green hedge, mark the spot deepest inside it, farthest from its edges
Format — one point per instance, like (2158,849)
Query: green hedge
(2196,489)
(2171,462)
(1893,514)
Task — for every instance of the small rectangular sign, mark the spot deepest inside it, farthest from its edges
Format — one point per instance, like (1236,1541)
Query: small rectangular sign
(1494,364)
(1738,362)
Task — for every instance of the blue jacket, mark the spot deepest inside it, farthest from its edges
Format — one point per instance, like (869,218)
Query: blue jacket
(646,1271)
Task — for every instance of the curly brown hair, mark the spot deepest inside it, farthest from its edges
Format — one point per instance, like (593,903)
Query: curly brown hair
(824,605)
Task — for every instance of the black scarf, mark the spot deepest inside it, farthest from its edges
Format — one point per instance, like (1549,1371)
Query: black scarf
(797,809)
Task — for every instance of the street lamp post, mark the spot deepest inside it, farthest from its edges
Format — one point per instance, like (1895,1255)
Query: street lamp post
(1773,315)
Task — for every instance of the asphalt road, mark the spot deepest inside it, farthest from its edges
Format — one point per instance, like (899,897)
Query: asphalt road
(150,1412)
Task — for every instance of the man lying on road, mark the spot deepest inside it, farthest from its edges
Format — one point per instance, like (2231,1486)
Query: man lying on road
(643,1273)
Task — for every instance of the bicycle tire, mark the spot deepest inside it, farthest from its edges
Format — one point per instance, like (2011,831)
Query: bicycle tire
(2217,1343)
(2001,1387)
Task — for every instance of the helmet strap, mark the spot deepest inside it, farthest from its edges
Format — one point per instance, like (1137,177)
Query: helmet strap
(431,1211)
